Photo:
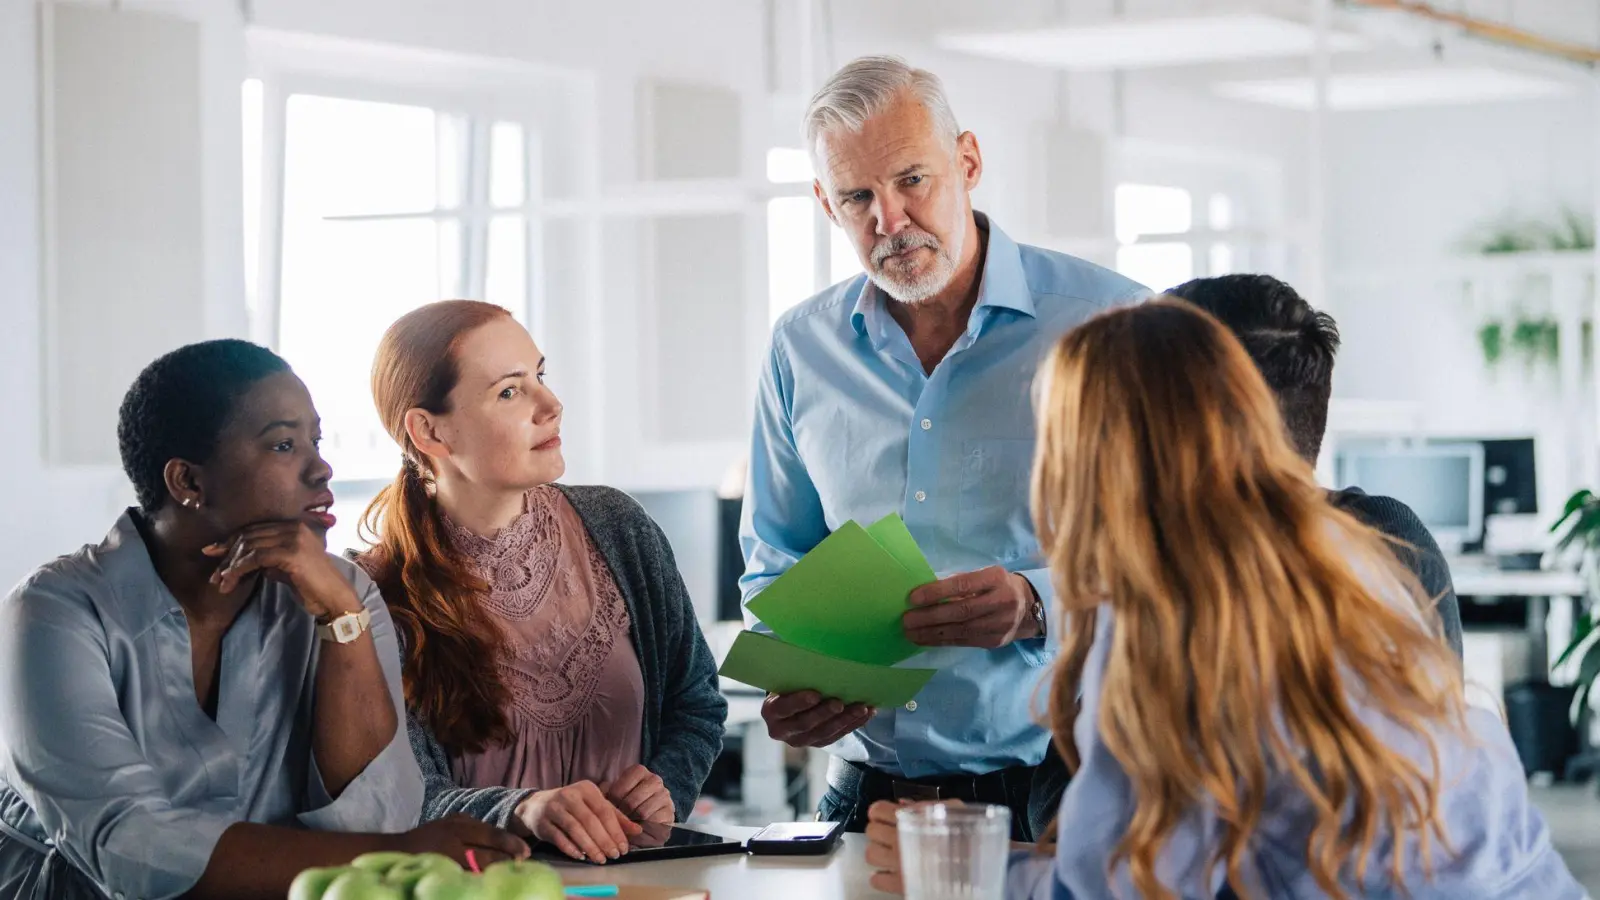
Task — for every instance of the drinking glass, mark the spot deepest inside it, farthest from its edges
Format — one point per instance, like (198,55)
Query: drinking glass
(950,852)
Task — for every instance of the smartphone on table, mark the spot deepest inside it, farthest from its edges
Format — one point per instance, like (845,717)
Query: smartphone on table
(796,839)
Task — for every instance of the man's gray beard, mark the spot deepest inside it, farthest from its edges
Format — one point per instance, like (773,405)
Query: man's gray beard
(937,279)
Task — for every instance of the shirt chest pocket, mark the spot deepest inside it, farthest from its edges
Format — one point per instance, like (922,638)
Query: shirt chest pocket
(993,518)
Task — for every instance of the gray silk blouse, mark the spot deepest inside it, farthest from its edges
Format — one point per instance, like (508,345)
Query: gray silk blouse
(113,781)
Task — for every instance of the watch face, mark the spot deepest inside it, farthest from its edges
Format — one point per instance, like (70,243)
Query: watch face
(346,629)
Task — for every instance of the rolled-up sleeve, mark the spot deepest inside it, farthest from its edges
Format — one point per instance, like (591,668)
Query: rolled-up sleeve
(782,517)
(387,795)
(68,752)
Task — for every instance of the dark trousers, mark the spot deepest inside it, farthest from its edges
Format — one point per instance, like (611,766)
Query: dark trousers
(1032,793)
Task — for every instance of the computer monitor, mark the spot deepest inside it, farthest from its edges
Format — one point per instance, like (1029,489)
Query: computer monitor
(1442,483)
(730,560)
(1511,486)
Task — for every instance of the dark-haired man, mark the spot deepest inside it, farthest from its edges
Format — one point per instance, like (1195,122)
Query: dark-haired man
(1294,346)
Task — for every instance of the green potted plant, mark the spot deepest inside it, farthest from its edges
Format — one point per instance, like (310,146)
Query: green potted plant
(1579,526)
(1533,337)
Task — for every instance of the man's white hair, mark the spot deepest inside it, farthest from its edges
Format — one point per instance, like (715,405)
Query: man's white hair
(865,87)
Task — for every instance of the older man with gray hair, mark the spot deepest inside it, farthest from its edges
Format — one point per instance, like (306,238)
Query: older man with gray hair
(907,390)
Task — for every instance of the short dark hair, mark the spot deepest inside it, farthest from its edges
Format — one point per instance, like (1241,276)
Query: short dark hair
(1292,344)
(178,406)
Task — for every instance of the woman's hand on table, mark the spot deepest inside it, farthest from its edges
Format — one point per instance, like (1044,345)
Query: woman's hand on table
(454,836)
(578,820)
(641,795)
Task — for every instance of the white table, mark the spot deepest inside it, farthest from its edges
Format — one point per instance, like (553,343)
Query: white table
(841,875)
(1476,580)
(1477,577)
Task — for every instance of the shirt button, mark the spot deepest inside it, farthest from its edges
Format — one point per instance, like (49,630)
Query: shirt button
(921,496)
(911,706)
(927,424)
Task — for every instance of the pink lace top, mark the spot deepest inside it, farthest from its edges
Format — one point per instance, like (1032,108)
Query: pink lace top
(577,693)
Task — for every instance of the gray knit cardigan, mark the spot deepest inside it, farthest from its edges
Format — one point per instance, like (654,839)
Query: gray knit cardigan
(684,711)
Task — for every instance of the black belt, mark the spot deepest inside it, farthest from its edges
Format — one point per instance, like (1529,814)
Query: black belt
(1003,787)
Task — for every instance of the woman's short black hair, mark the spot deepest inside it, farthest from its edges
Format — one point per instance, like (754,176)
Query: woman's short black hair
(179,405)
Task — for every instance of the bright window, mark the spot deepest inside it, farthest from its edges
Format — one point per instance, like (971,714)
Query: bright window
(1157,266)
(383,212)
(1158,243)
(791,251)
(1147,209)
(789,165)
(792,223)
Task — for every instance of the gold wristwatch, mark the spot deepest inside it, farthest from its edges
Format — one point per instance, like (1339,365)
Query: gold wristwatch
(346,628)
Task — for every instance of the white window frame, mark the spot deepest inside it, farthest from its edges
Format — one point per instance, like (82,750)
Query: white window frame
(482,90)
(1253,183)
(288,64)
(822,228)
(560,110)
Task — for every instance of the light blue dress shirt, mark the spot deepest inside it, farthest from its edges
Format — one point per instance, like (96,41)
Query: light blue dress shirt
(1501,845)
(848,426)
(113,780)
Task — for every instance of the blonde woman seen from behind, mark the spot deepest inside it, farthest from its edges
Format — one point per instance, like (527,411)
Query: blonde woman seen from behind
(1249,693)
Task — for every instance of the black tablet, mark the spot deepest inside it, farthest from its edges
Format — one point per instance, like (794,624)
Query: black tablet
(658,842)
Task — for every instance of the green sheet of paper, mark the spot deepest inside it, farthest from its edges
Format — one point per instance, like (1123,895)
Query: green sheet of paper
(763,661)
(844,599)
(892,535)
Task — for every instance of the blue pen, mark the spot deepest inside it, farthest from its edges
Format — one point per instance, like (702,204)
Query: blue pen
(592,890)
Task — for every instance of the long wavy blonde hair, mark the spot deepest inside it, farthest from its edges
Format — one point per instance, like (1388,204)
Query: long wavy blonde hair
(1246,620)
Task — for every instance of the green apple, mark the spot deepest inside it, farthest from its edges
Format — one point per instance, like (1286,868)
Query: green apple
(522,880)
(407,872)
(361,884)
(441,885)
(379,863)
(312,883)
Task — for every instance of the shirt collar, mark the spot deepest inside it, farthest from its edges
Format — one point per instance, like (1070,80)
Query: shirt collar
(1003,285)
(142,597)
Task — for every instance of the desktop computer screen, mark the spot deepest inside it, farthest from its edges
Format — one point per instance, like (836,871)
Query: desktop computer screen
(1442,483)
(1510,481)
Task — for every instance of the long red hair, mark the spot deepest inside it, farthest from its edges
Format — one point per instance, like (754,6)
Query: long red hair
(449,642)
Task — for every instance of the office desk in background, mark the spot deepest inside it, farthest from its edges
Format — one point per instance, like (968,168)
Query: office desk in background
(1479,577)
(841,875)
(765,784)
(1495,657)
(764,787)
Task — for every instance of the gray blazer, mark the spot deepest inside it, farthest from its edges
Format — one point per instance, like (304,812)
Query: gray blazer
(684,710)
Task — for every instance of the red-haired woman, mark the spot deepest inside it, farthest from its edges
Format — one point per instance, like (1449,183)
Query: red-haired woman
(556,678)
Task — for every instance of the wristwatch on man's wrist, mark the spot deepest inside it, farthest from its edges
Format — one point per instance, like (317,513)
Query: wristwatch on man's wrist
(344,629)
(1036,610)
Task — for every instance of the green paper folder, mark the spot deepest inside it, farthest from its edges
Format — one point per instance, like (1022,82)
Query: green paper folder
(892,535)
(844,599)
(763,661)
